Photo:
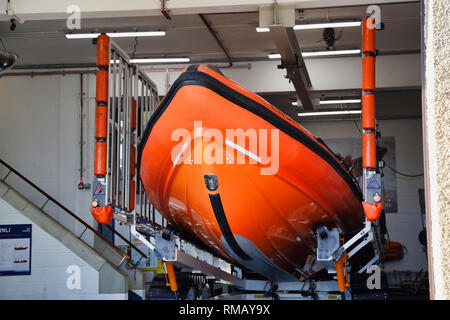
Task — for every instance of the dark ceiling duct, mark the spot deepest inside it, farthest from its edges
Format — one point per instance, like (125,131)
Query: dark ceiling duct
(213,33)
(7,60)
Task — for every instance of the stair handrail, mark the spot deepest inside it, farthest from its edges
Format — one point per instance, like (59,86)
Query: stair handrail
(88,226)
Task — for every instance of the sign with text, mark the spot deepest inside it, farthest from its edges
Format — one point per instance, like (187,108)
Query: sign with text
(15,249)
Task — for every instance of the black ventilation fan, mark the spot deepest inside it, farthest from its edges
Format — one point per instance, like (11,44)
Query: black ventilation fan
(329,36)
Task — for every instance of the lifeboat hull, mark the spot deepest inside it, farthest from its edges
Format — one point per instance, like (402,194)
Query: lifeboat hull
(257,205)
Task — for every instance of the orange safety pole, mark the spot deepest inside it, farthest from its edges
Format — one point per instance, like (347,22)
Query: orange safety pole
(172,278)
(341,269)
(101,212)
(368,97)
(340,275)
(101,112)
(372,210)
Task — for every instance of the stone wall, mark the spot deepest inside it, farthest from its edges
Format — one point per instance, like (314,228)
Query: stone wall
(436,125)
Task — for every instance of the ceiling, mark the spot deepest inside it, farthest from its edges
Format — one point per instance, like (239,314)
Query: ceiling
(391,104)
(42,42)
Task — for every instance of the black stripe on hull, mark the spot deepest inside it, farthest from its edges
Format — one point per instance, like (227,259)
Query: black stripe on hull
(222,221)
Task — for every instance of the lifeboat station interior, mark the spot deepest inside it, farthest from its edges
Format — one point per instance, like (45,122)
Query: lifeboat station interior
(224,150)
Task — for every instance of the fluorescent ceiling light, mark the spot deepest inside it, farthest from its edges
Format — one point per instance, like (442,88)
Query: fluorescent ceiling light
(274,56)
(320,53)
(327,25)
(295,103)
(328,113)
(116,34)
(82,35)
(156,60)
(160,60)
(330,53)
(319,26)
(340,101)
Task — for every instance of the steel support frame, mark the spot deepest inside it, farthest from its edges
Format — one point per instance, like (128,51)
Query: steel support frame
(128,83)
(292,60)
(228,274)
(280,19)
(367,234)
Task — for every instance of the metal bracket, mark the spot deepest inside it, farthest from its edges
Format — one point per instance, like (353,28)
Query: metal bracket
(140,237)
(289,65)
(292,60)
(362,244)
(165,247)
(327,244)
(329,251)
(371,262)
(355,238)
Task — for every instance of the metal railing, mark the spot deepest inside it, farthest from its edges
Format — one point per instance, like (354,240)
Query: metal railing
(132,97)
(69,212)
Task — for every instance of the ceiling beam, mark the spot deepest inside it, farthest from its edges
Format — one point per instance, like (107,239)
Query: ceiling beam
(51,9)
(280,19)
(292,60)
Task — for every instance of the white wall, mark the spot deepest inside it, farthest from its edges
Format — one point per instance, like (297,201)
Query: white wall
(405,225)
(39,136)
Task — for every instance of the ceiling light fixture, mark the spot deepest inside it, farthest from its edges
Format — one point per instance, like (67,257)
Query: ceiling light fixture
(156,60)
(321,53)
(344,24)
(327,25)
(340,101)
(116,34)
(274,56)
(328,113)
(330,53)
(160,60)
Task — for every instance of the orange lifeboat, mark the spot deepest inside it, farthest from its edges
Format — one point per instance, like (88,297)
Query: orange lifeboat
(255,203)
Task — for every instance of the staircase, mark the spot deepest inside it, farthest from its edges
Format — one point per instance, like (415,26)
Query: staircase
(117,274)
